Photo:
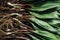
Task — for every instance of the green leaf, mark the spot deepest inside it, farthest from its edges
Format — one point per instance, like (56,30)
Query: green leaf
(54,22)
(44,33)
(43,24)
(34,38)
(48,15)
(43,7)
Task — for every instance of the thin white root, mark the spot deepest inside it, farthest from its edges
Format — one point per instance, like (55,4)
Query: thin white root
(21,24)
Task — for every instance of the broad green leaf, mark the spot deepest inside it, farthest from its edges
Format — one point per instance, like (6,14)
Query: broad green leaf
(48,15)
(54,22)
(43,7)
(44,33)
(43,24)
